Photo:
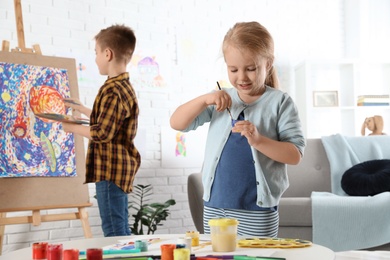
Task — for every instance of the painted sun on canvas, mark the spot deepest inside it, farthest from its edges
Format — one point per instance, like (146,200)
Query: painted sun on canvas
(31,146)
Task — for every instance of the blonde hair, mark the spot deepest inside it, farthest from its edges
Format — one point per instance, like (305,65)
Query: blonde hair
(255,38)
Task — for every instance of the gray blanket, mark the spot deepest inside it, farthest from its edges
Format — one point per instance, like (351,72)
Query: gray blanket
(342,222)
(344,152)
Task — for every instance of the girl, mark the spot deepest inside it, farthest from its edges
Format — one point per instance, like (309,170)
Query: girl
(244,172)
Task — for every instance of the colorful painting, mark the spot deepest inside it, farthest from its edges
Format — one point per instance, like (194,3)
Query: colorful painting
(149,70)
(32,146)
(183,150)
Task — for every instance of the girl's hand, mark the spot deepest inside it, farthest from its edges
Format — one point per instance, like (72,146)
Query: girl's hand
(220,99)
(247,129)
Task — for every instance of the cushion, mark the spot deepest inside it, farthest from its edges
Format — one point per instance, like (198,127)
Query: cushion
(367,178)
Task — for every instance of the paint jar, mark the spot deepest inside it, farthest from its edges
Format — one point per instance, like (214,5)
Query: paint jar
(167,251)
(194,235)
(71,254)
(141,245)
(94,254)
(39,250)
(187,241)
(181,254)
(233,124)
(223,234)
(54,251)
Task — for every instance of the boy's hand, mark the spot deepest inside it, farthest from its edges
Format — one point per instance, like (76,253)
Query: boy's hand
(73,103)
(77,129)
(67,127)
(76,104)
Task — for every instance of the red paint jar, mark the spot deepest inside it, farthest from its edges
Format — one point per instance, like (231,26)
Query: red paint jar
(71,254)
(54,251)
(39,250)
(94,254)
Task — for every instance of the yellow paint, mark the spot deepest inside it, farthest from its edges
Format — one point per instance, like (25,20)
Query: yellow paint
(6,96)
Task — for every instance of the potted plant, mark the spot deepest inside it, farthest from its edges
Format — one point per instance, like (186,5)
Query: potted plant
(147,215)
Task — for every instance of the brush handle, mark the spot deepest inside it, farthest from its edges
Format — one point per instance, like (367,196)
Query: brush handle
(227,107)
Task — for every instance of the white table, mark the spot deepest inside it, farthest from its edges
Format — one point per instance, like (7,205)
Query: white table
(316,252)
(362,254)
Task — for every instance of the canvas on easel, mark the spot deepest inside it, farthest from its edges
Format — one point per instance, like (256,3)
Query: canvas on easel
(33,145)
(15,148)
(40,193)
(39,84)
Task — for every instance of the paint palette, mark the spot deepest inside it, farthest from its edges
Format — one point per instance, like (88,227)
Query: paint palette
(63,118)
(268,242)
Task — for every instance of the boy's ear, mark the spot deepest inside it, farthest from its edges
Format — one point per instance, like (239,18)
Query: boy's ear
(109,54)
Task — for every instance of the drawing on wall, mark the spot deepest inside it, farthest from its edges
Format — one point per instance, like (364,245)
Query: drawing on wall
(183,149)
(31,146)
(81,67)
(146,72)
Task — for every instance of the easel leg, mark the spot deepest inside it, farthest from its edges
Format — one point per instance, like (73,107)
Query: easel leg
(5,45)
(85,223)
(2,229)
(36,217)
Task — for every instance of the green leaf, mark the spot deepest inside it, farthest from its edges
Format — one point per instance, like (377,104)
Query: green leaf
(148,215)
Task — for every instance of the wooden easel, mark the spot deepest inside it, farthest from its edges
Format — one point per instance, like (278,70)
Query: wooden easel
(20,33)
(36,218)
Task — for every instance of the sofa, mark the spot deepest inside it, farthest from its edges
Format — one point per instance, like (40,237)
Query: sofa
(295,209)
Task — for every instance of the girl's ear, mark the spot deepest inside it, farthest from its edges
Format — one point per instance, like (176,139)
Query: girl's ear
(270,63)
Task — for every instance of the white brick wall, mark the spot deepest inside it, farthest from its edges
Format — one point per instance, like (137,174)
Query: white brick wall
(301,28)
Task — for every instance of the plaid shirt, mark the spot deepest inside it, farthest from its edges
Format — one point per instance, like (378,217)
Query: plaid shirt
(111,153)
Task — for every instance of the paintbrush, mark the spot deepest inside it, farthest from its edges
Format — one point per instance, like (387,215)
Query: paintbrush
(227,107)
(71,101)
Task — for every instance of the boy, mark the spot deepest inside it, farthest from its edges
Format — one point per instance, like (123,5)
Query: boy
(112,159)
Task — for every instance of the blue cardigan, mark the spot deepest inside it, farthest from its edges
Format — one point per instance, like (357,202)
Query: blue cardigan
(275,116)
